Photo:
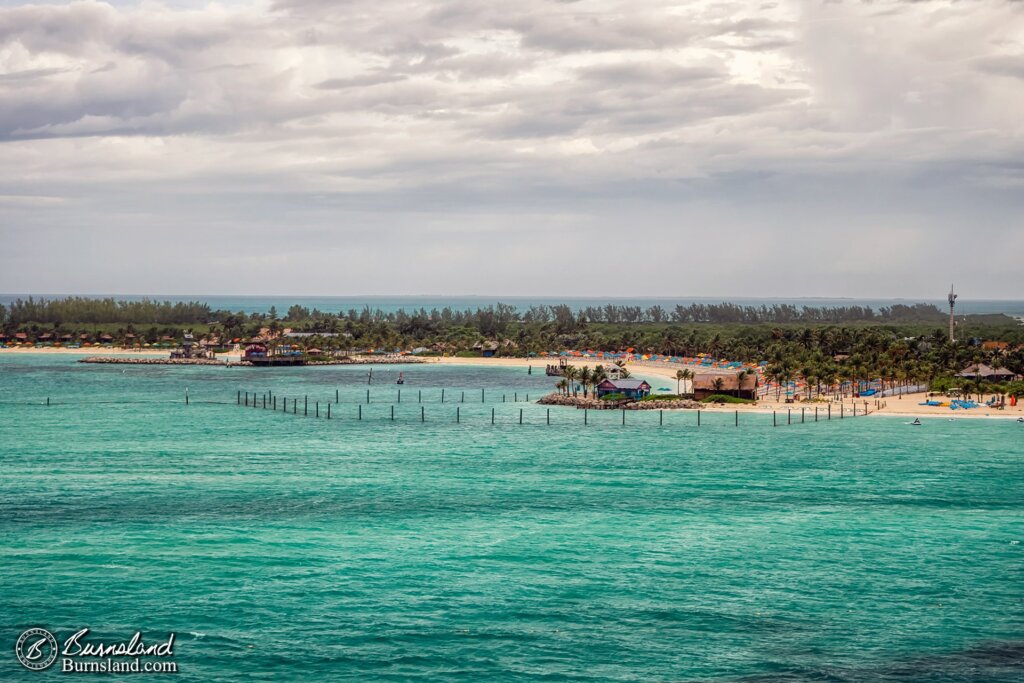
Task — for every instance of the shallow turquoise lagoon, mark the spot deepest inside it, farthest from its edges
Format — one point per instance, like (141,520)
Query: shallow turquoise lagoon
(284,547)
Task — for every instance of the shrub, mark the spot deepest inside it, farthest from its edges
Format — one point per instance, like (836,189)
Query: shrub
(942,385)
(723,398)
(666,397)
(614,397)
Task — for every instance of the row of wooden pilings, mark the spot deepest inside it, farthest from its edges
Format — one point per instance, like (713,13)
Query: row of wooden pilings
(269,401)
(505,398)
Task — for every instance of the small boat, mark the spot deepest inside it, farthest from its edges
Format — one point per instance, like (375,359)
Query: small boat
(1020,419)
(916,422)
(401,379)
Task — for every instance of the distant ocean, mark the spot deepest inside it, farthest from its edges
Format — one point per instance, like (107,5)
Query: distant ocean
(335,304)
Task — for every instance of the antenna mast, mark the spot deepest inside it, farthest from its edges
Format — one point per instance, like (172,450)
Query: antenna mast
(952,303)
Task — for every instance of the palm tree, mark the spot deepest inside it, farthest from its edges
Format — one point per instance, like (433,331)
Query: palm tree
(585,378)
(680,376)
(563,386)
(570,374)
(808,374)
(740,376)
(718,384)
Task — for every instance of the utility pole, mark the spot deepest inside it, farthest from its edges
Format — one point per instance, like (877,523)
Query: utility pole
(952,303)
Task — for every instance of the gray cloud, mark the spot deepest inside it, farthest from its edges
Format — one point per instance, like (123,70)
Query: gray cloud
(447,128)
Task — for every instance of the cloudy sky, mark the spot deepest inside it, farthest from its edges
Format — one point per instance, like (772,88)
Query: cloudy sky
(688,148)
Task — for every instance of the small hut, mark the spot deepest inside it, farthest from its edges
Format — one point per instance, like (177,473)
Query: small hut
(630,388)
(487,349)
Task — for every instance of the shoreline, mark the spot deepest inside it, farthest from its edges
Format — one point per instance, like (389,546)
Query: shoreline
(904,406)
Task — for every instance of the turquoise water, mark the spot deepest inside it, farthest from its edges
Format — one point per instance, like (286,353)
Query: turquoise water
(281,547)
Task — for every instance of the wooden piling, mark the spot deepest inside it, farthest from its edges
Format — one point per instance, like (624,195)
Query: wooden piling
(318,408)
(549,415)
(623,416)
(584,417)
(801,416)
(789,416)
(698,417)
(492,415)
(463,397)
(337,395)
(360,411)
(305,406)
(738,417)
(661,418)
(367,396)
(775,422)
(458,417)
(392,413)
(399,395)
(328,411)
(520,416)
(239,399)
(481,395)
(423,414)
(442,395)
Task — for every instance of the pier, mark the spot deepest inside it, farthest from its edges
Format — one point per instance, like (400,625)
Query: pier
(391,409)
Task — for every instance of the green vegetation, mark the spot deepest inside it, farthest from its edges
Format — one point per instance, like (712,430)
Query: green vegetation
(828,347)
(723,398)
(616,396)
(97,311)
(666,397)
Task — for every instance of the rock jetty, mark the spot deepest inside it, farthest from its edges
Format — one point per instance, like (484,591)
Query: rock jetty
(121,360)
(591,403)
(125,360)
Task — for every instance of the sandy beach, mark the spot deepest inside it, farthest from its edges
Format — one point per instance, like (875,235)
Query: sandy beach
(657,375)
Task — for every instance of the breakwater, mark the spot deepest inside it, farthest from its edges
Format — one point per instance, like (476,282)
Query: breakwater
(322,408)
(123,360)
(591,403)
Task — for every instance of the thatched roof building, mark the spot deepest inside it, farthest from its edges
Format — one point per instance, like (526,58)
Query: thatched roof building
(706,384)
(985,372)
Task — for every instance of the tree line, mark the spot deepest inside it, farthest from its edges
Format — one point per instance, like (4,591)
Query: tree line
(101,311)
(488,319)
